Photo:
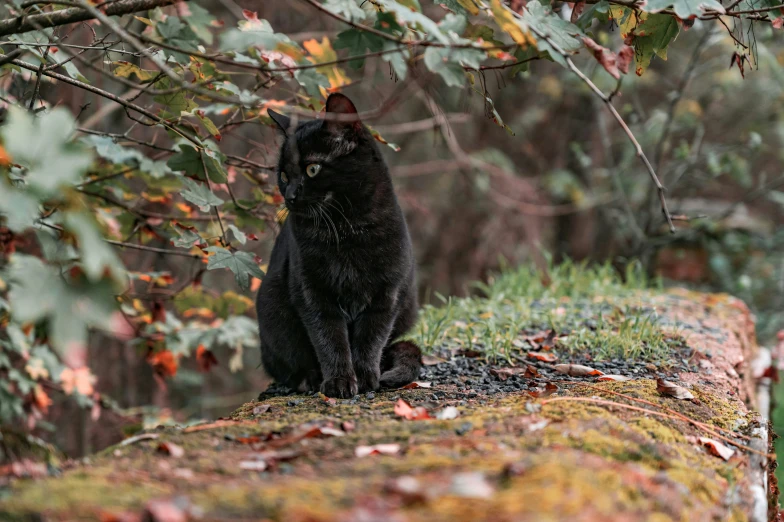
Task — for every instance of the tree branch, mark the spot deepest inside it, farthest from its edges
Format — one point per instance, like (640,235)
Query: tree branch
(25,24)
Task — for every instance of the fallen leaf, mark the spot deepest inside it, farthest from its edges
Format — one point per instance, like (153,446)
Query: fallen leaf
(377,449)
(673,390)
(471,484)
(331,432)
(24,468)
(404,409)
(408,488)
(576,370)
(430,360)
(414,385)
(348,426)
(716,448)
(614,378)
(205,358)
(217,424)
(548,390)
(504,373)
(470,353)
(164,511)
(261,408)
(139,438)
(448,413)
(171,449)
(253,465)
(543,356)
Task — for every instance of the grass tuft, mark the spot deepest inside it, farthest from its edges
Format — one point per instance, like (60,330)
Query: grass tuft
(595,310)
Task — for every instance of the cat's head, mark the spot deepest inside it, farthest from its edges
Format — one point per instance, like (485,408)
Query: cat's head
(334,157)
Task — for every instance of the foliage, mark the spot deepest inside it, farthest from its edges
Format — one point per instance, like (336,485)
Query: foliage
(74,201)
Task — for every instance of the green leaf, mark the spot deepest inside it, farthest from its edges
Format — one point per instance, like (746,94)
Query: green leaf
(564,34)
(347,8)
(239,235)
(110,150)
(20,209)
(199,20)
(650,34)
(243,264)
(398,61)
(777,197)
(448,63)
(188,237)
(174,32)
(599,11)
(97,257)
(200,195)
(357,42)
(42,144)
(41,292)
(252,32)
(414,19)
(195,163)
(684,8)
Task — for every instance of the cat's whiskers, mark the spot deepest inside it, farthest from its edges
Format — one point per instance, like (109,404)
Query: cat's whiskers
(330,223)
(350,226)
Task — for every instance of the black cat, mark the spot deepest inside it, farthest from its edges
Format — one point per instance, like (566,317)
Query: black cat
(340,287)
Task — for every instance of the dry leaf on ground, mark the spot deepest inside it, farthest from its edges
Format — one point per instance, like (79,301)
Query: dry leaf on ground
(378,449)
(417,384)
(673,390)
(714,447)
(577,370)
(448,413)
(543,356)
(404,409)
(614,378)
(171,449)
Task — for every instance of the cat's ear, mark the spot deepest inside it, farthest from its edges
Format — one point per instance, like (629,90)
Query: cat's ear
(340,104)
(283,121)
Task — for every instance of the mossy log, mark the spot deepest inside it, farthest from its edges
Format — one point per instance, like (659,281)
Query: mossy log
(590,450)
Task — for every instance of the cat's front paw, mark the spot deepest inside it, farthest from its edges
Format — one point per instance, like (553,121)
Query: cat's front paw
(340,387)
(367,379)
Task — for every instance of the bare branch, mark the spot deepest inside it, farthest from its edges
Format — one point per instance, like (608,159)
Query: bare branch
(25,24)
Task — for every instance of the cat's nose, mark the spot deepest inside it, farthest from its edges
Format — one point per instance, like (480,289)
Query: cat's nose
(291,194)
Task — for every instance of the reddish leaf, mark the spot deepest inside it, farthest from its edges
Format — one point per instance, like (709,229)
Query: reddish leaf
(576,370)
(673,390)
(577,10)
(414,385)
(205,358)
(543,356)
(625,58)
(548,390)
(171,449)
(716,448)
(261,408)
(378,449)
(348,426)
(604,56)
(404,409)
(165,511)
(503,374)
(778,23)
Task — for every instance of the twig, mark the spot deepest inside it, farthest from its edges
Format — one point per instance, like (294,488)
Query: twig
(153,249)
(605,402)
(38,77)
(640,154)
(25,24)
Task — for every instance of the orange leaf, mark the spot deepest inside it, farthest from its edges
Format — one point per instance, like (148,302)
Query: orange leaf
(404,409)
(164,363)
(543,356)
(42,400)
(323,52)
(5,158)
(205,358)
(80,380)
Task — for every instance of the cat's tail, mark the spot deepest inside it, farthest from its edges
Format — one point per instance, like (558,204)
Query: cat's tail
(400,364)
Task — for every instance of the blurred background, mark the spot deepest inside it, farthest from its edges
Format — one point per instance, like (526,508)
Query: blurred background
(563,182)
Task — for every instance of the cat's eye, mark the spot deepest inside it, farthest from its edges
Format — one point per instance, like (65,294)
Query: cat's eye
(312,169)
(284,177)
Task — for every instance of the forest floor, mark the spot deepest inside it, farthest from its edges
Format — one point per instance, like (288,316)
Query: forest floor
(502,434)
